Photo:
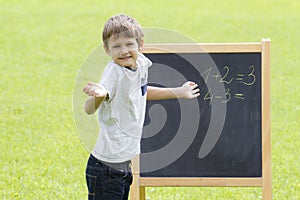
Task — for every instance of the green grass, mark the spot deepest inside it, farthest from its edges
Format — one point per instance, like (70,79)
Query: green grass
(42,47)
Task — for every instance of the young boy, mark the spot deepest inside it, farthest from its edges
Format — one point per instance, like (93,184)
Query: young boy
(121,98)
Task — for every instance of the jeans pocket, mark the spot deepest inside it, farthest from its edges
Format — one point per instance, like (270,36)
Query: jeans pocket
(91,184)
(114,174)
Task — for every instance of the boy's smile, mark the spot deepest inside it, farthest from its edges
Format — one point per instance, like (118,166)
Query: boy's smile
(123,51)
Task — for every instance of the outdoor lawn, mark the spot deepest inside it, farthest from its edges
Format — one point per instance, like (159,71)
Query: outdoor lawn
(43,45)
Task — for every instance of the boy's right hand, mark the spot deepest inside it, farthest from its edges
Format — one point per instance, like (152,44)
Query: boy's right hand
(95,89)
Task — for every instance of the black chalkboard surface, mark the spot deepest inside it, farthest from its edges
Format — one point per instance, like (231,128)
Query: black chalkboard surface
(216,135)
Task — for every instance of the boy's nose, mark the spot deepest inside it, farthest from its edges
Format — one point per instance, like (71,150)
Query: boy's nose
(124,51)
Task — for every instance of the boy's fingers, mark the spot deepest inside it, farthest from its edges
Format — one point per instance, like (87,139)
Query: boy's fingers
(91,83)
(196,91)
(194,86)
(88,89)
(85,89)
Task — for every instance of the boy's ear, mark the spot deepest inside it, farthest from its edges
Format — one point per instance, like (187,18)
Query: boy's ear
(106,50)
(141,45)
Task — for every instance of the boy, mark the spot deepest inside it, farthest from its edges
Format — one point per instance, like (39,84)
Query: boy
(121,98)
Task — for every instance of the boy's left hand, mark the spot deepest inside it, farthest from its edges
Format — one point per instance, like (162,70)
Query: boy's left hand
(190,90)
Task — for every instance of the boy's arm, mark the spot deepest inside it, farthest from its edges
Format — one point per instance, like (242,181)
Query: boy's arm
(97,94)
(188,90)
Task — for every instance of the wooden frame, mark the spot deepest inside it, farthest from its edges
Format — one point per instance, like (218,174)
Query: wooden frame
(139,183)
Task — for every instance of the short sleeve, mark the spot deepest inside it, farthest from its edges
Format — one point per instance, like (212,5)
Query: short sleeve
(109,80)
(144,61)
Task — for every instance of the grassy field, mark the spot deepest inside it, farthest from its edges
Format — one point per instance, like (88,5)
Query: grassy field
(43,44)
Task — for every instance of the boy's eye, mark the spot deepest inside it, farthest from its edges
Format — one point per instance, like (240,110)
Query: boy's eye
(129,44)
(116,46)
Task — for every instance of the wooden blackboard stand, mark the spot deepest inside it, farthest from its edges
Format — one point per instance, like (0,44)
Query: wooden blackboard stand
(265,181)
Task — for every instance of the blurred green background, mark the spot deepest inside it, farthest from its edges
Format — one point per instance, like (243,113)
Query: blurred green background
(43,45)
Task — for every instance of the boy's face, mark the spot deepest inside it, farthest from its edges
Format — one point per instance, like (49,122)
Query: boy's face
(123,50)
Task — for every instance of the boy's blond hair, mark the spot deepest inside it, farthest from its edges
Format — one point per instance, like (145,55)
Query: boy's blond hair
(122,25)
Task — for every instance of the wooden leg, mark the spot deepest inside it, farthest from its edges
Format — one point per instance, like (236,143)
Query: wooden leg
(142,193)
(136,191)
(266,121)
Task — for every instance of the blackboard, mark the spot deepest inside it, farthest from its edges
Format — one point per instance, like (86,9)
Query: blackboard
(230,82)
(222,138)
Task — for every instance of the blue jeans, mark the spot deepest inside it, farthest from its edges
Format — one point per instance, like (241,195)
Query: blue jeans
(106,183)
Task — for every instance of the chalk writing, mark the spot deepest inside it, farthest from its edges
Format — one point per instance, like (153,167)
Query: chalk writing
(226,68)
(227,77)
(251,75)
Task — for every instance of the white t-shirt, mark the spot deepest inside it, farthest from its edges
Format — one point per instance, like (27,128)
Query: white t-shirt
(121,117)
